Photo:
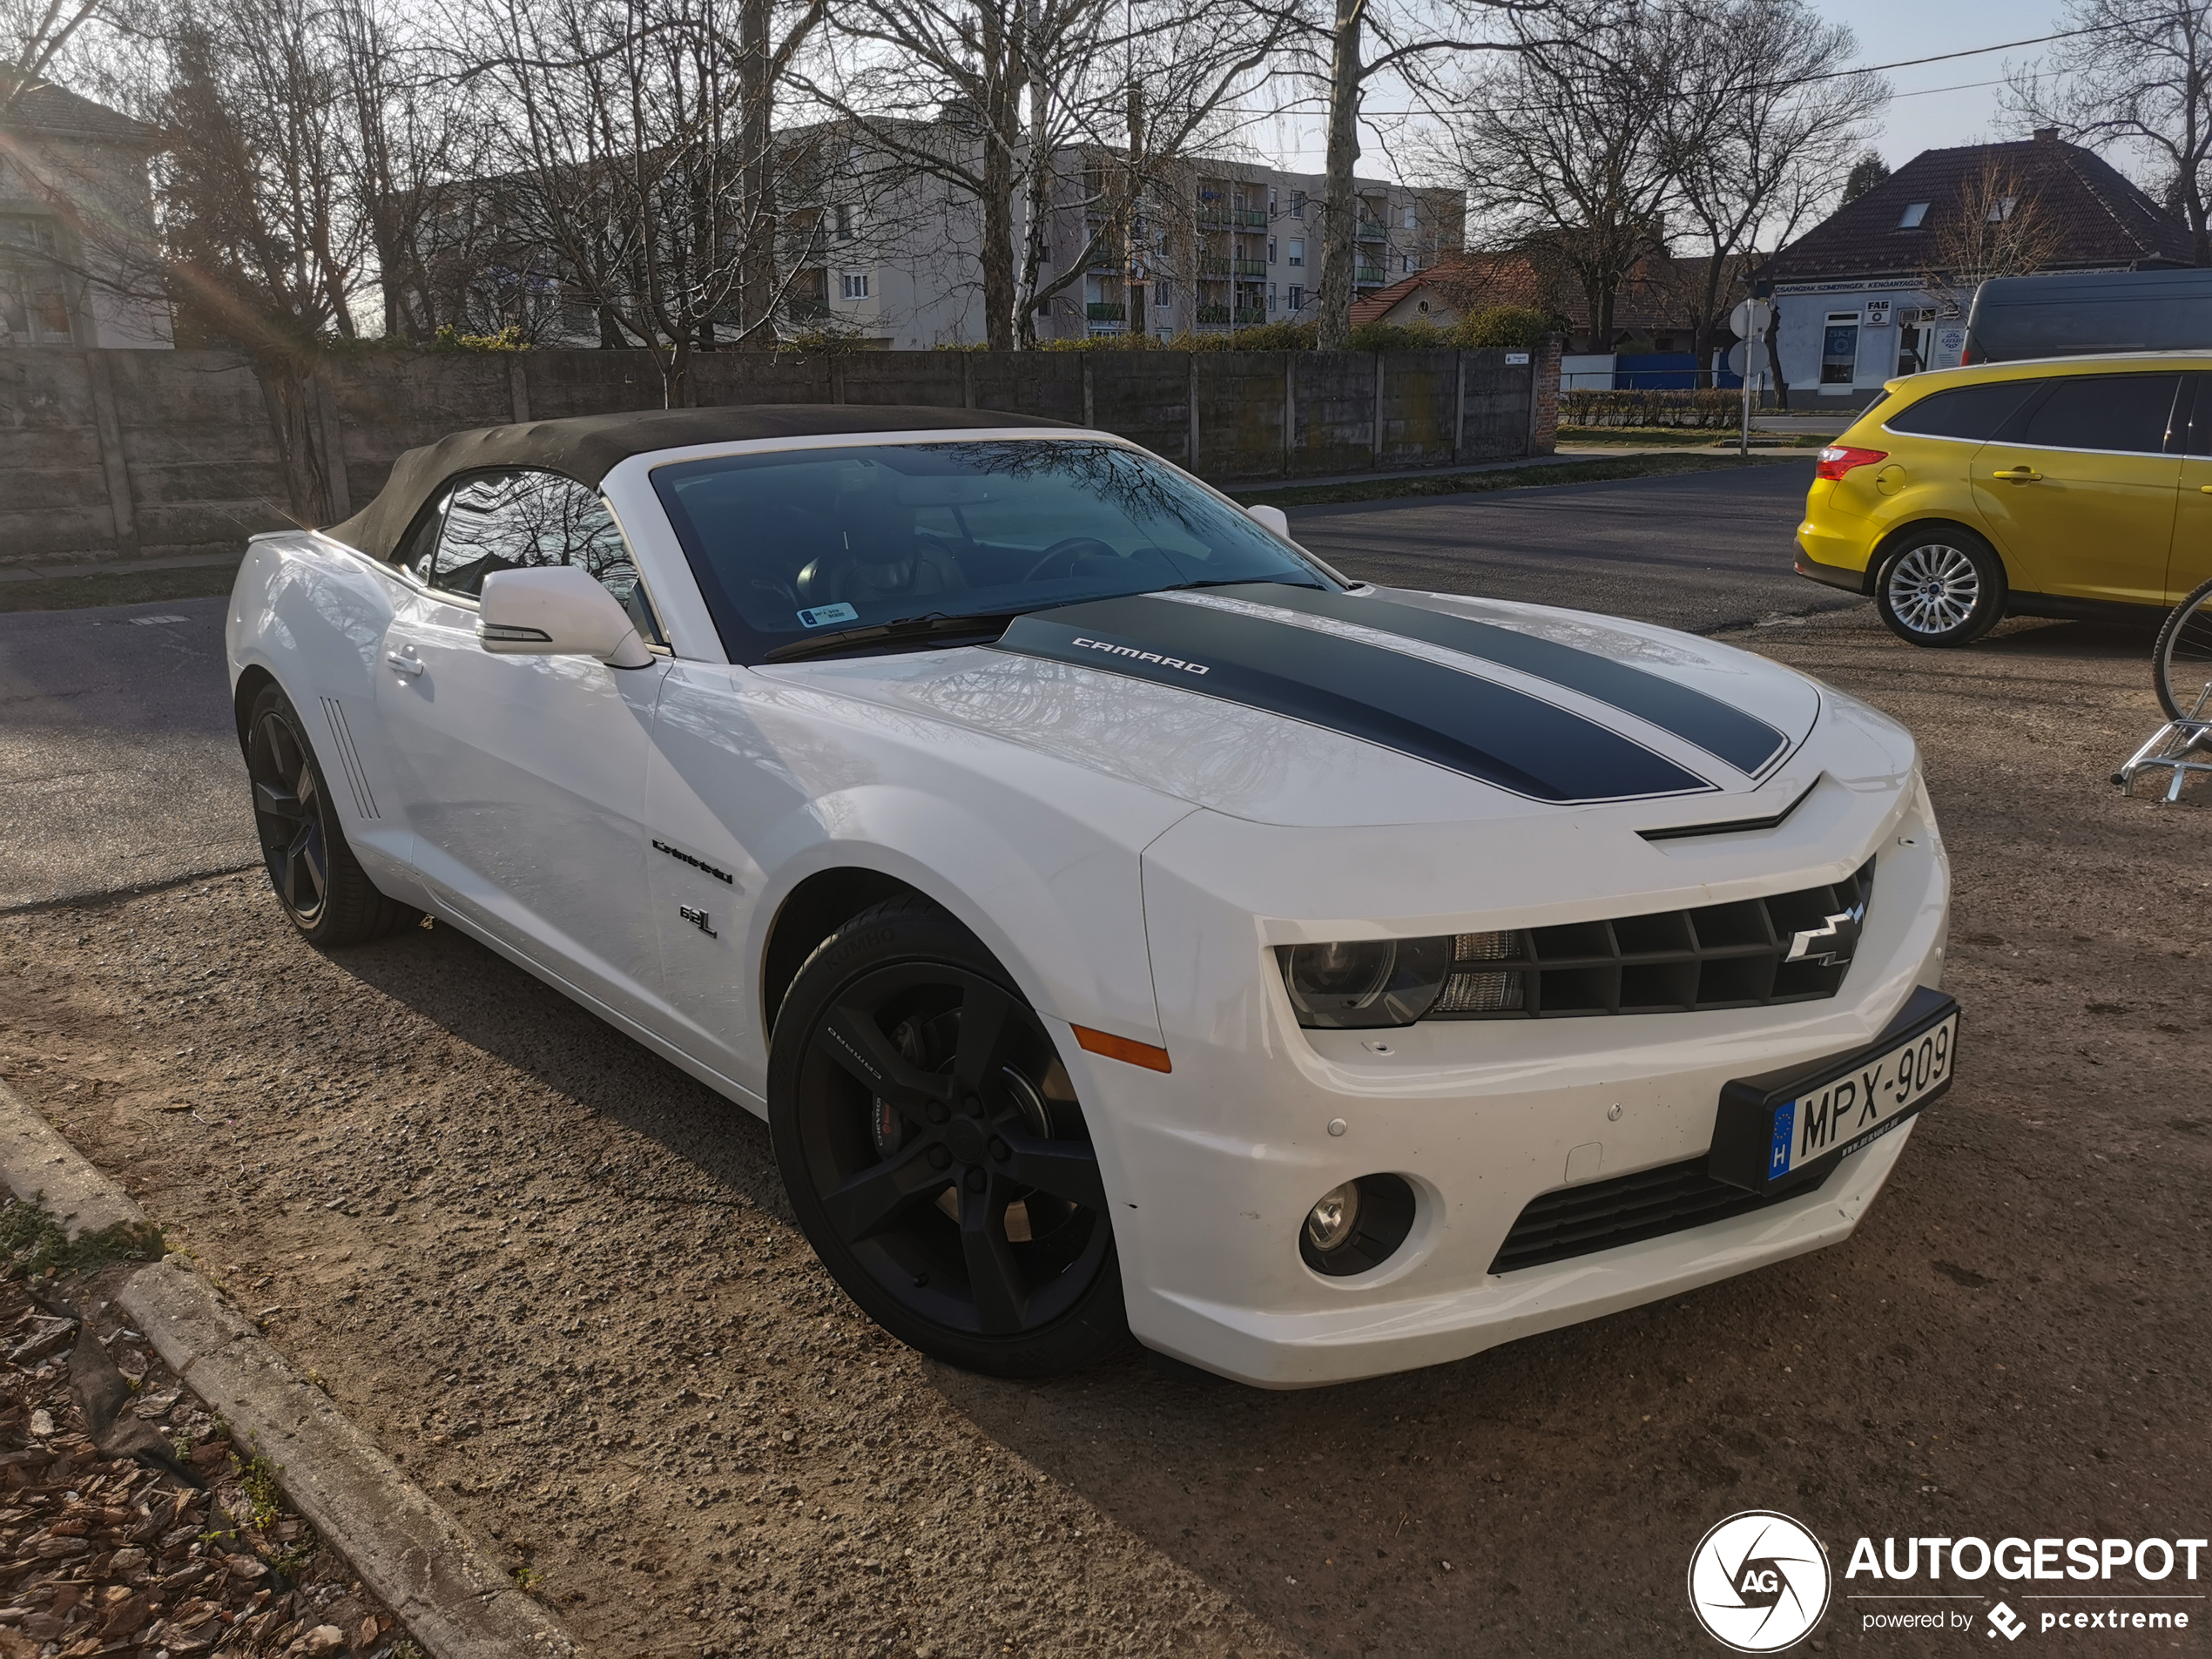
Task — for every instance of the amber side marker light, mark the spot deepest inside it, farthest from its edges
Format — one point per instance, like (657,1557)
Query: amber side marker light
(1839,458)
(1114,1048)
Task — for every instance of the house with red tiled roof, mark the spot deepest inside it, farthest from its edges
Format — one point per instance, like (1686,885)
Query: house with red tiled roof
(79,265)
(1654,324)
(1877,288)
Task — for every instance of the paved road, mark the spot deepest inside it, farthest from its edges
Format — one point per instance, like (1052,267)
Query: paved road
(118,760)
(1702,551)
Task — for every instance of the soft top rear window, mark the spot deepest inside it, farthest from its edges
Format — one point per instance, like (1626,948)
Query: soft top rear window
(1972,412)
(797,542)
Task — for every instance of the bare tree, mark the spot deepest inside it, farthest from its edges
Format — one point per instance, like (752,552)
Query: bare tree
(34,34)
(627,160)
(1368,41)
(2137,75)
(263,253)
(938,87)
(1759,135)
(1026,108)
(1565,148)
(409,138)
(1997,228)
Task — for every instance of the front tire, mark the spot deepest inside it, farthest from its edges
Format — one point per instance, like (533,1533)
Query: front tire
(1942,586)
(320,885)
(2181,661)
(933,1150)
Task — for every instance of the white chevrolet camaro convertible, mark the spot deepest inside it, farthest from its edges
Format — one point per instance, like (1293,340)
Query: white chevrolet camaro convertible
(1124,923)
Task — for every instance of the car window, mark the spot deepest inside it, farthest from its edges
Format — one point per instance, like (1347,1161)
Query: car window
(514,519)
(2196,396)
(1973,412)
(796,541)
(2129,413)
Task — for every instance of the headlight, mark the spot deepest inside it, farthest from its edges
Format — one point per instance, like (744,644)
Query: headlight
(1394,982)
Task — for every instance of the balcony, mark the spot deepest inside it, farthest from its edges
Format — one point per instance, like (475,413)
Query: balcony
(1249,316)
(1213,214)
(1106,311)
(1250,267)
(1366,273)
(1212,264)
(1212,316)
(1370,230)
(1250,219)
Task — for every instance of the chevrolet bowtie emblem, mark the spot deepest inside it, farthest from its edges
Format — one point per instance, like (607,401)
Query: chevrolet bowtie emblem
(1830,943)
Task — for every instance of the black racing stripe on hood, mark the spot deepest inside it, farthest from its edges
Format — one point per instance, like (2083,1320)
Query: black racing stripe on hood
(1457,720)
(1744,740)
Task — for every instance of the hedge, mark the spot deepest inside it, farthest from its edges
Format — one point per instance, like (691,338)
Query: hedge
(1706,407)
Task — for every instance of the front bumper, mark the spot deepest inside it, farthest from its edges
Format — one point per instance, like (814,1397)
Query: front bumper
(1213,1166)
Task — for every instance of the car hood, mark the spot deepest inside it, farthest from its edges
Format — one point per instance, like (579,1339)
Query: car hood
(1293,707)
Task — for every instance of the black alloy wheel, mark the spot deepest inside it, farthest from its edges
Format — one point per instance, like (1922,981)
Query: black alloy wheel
(312,869)
(932,1144)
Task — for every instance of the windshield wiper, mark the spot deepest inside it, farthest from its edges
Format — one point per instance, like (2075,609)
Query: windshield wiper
(936,622)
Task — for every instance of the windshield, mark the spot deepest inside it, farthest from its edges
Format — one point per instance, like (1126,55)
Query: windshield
(806,543)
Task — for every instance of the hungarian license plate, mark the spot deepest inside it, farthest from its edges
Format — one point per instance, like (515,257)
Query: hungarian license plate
(1775,1131)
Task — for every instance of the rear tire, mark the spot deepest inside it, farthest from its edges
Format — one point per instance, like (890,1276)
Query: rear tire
(1941,586)
(322,887)
(2181,661)
(932,1145)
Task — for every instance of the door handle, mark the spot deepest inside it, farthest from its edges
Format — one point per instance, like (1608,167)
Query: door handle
(2017,474)
(2205,490)
(404,664)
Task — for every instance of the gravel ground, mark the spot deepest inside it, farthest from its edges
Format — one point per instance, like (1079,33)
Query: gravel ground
(556,1280)
(146,1531)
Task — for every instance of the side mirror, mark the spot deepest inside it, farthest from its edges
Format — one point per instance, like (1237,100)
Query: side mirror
(556,610)
(1273,517)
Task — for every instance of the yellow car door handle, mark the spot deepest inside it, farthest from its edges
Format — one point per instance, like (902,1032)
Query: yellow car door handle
(2017,474)
(2205,488)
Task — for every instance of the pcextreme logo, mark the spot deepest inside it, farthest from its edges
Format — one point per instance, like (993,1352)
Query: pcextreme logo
(1758,1582)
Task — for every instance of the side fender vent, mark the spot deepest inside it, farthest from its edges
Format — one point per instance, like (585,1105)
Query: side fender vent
(350,761)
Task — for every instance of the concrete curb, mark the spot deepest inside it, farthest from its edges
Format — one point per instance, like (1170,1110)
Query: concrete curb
(439,1583)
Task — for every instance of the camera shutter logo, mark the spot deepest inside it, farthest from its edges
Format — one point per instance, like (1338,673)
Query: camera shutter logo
(1758,1582)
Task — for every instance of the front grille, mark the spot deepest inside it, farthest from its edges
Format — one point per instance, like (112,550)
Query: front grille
(1600,1215)
(1716,956)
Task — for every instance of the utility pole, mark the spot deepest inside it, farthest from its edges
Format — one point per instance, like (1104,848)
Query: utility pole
(1133,280)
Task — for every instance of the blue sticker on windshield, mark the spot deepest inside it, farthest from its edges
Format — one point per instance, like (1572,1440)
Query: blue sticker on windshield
(822,615)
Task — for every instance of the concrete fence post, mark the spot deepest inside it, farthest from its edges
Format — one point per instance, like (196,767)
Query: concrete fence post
(836,376)
(107,424)
(333,448)
(1192,442)
(518,389)
(1460,406)
(1289,411)
(1379,406)
(968,379)
(1090,417)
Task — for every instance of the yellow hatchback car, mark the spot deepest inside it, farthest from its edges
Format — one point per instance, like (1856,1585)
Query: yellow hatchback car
(2070,486)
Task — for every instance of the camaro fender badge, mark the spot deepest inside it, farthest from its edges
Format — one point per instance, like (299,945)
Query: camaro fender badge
(697,918)
(1839,934)
(696,864)
(1131,652)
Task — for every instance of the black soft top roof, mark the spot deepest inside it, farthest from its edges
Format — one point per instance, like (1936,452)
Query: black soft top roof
(588,447)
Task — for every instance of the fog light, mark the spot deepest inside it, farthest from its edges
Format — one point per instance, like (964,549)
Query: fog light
(1357,1226)
(1330,1222)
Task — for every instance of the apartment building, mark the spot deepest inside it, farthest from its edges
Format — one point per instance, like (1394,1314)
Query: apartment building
(882,250)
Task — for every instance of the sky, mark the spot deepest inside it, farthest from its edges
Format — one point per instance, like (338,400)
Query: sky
(1932,105)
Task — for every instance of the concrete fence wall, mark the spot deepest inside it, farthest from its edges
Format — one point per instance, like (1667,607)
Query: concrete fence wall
(118,454)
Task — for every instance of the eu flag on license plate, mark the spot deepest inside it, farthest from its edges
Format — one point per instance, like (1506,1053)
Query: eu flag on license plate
(1785,1126)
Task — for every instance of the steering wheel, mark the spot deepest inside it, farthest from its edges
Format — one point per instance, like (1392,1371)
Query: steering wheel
(1067,551)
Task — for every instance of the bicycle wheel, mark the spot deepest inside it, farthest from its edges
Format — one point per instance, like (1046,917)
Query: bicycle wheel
(2182,665)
